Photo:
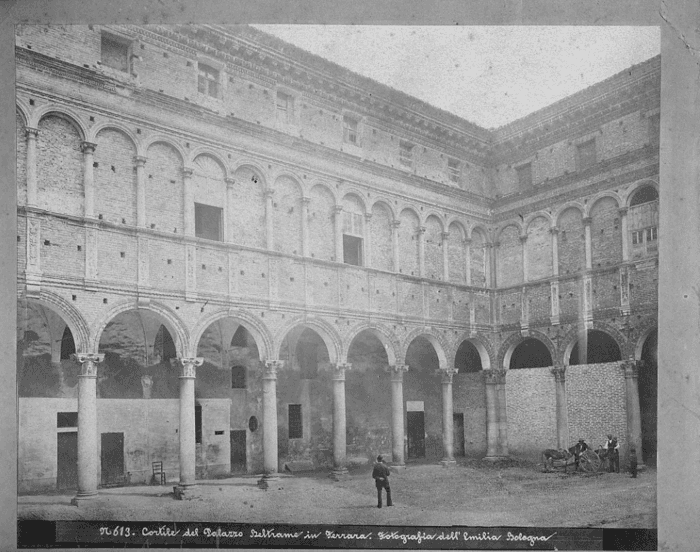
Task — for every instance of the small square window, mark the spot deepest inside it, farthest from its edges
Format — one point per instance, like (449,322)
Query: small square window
(586,154)
(114,53)
(406,153)
(296,428)
(285,107)
(454,169)
(208,80)
(349,130)
(524,173)
(207,222)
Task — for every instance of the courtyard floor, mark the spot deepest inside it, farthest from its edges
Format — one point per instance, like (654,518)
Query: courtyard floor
(473,493)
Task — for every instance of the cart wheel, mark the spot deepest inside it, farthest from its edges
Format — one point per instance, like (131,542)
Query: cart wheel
(590,462)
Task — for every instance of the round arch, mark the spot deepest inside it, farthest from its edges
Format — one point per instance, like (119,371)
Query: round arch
(506,351)
(254,166)
(70,315)
(612,195)
(170,320)
(22,109)
(328,334)
(459,225)
(114,125)
(532,216)
(435,215)
(291,176)
(508,224)
(435,340)
(262,336)
(322,185)
(216,156)
(479,229)
(64,113)
(572,337)
(411,210)
(159,139)
(386,204)
(643,331)
(391,344)
(353,192)
(482,345)
(570,205)
(634,188)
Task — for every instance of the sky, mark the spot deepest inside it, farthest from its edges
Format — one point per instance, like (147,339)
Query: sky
(487,75)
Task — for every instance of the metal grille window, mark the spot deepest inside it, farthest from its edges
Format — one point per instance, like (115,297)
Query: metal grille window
(296,429)
(114,53)
(406,153)
(524,173)
(454,170)
(208,80)
(349,130)
(586,154)
(285,107)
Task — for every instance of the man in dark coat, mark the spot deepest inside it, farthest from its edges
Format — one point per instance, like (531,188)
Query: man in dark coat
(579,448)
(380,473)
(633,461)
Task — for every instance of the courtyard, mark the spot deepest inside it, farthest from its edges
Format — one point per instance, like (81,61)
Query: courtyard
(473,493)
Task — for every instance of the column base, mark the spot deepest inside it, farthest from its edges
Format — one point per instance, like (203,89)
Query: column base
(398,467)
(265,481)
(186,492)
(339,474)
(447,463)
(80,498)
(495,458)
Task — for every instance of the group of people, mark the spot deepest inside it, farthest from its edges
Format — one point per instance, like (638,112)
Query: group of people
(612,451)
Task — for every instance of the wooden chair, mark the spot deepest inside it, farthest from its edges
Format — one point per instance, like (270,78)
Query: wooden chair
(158,473)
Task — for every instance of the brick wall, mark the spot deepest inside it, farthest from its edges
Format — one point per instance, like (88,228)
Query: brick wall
(320,223)
(539,249)
(469,397)
(460,305)
(248,224)
(59,248)
(381,236)
(510,257)
(479,260)
(606,292)
(115,178)
(163,274)
(411,297)
(164,189)
(644,283)
(540,303)
(212,269)
(606,233)
(456,254)
(21,174)
(510,307)
(408,243)
(59,166)
(570,298)
(433,248)
(287,216)
(572,242)
(111,264)
(531,411)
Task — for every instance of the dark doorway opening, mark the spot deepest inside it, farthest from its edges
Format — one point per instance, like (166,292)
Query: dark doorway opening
(458,433)
(416,434)
(67,460)
(530,353)
(112,459)
(468,358)
(67,344)
(599,348)
(648,393)
(238,451)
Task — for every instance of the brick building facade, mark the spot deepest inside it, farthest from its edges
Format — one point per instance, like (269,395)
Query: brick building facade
(237,256)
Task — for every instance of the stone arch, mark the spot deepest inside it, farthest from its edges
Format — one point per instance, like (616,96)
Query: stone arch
(115,125)
(328,334)
(318,183)
(565,207)
(572,337)
(23,109)
(627,198)
(598,197)
(384,203)
(170,320)
(432,213)
(483,345)
(436,340)
(412,210)
(532,216)
(72,317)
(260,332)
(509,345)
(161,139)
(506,225)
(391,344)
(254,167)
(64,113)
(479,229)
(357,194)
(291,176)
(454,221)
(642,332)
(209,152)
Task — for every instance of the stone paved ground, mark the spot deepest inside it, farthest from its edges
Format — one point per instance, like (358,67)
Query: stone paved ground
(474,493)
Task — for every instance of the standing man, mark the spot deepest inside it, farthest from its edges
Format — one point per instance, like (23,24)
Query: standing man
(579,449)
(380,473)
(612,447)
(633,460)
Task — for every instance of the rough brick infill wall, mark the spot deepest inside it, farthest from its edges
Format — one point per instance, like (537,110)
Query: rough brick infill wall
(596,403)
(469,398)
(531,411)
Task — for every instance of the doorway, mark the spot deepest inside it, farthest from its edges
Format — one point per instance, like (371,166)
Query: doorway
(112,459)
(416,434)
(238,451)
(458,433)
(67,460)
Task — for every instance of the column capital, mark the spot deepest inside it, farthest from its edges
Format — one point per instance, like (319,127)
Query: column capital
(337,209)
(554,230)
(559,372)
(467,241)
(339,369)
(587,221)
(230,181)
(523,238)
(271,367)
(139,160)
(421,229)
(187,172)
(396,371)
(445,235)
(88,362)
(269,192)
(395,223)
(305,200)
(368,217)
(623,211)
(496,244)
(87,147)
(446,374)
(189,366)
(494,376)
(31,132)
(631,369)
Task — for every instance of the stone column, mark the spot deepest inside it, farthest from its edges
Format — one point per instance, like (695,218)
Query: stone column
(559,373)
(555,250)
(339,425)
(188,372)
(88,148)
(270,456)
(305,226)
(502,415)
(448,457)
(229,206)
(468,261)
(338,223)
(32,187)
(625,237)
(491,379)
(634,419)
(188,200)
(397,417)
(269,239)
(87,426)
(139,163)
(421,251)
(395,244)
(445,256)
(368,240)
(523,241)
(587,233)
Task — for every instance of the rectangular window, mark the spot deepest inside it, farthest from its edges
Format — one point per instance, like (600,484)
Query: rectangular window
(66,419)
(296,429)
(352,250)
(198,424)
(207,222)
(586,154)
(208,80)
(114,53)
(406,153)
(637,237)
(454,170)
(238,377)
(651,234)
(349,130)
(524,173)
(655,129)
(285,107)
